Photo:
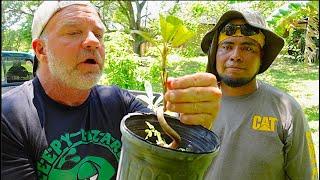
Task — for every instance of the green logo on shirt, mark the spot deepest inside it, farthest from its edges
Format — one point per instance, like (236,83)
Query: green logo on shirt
(61,159)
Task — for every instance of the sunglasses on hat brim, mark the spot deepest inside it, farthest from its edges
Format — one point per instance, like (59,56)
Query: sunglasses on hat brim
(245,29)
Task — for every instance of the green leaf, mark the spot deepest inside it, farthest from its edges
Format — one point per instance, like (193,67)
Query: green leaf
(146,36)
(232,1)
(294,5)
(167,29)
(173,30)
(182,36)
(271,22)
(174,21)
(284,12)
(313,4)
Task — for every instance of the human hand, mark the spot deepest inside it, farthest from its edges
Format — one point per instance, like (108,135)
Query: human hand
(196,97)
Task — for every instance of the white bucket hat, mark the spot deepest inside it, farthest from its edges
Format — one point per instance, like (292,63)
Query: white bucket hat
(46,10)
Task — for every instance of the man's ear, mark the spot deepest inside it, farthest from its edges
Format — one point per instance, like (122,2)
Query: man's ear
(39,49)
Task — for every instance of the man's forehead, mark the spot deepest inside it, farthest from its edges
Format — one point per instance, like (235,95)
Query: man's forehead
(77,8)
(240,40)
(238,21)
(66,15)
(82,6)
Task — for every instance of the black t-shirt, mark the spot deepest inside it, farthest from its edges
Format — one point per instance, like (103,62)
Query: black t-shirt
(47,140)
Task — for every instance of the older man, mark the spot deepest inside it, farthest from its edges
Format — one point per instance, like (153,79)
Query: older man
(263,131)
(61,125)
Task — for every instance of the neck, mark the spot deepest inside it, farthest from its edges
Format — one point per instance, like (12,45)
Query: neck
(239,91)
(60,92)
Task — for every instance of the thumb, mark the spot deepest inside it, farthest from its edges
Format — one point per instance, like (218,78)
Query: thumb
(169,82)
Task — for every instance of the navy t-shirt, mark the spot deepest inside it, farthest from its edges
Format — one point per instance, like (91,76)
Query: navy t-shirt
(44,139)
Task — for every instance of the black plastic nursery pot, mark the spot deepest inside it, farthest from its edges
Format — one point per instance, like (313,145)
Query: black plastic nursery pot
(142,159)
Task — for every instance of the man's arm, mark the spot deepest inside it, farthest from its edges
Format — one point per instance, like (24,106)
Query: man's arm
(15,163)
(299,150)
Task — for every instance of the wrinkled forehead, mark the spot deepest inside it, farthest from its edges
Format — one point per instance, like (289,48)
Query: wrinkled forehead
(76,13)
(77,10)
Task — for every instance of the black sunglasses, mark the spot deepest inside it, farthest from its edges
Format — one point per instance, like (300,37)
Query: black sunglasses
(247,30)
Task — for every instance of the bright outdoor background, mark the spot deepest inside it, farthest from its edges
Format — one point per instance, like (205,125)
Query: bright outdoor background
(130,60)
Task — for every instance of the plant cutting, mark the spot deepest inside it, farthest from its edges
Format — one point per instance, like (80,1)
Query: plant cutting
(173,35)
(151,131)
(145,153)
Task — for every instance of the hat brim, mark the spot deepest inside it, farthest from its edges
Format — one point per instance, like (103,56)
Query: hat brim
(272,47)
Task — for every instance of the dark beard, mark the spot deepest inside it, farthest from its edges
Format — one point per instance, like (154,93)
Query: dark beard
(238,82)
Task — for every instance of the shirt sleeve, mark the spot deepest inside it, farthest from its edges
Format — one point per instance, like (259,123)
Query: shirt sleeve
(15,162)
(300,160)
(133,104)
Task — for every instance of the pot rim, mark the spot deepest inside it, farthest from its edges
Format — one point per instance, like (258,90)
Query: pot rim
(154,146)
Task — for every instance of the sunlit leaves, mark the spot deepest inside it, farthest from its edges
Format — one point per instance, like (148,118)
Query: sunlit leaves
(294,6)
(16,24)
(146,36)
(173,34)
(169,26)
(174,31)
(182,36)
(285,17)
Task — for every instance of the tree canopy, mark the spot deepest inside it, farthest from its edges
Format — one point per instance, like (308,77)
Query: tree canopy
(125,16)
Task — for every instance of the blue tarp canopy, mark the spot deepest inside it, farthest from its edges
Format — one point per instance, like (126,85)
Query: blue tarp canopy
(15,54)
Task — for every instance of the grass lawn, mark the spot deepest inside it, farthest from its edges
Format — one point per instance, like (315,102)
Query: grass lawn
(299,80)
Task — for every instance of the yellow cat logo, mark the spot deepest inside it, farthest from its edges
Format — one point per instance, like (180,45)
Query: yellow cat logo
(312,155)
(264,123)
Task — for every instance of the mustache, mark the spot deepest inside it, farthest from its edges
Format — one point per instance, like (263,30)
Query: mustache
(85,54)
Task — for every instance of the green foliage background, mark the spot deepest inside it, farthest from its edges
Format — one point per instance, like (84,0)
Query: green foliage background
(128,70)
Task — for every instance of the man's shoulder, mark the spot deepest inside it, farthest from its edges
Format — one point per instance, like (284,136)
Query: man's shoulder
(279,95)
(17,94)
(113,95)
(274,91)
(17,104)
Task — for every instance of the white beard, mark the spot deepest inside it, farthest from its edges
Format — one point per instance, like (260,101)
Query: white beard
(70,76)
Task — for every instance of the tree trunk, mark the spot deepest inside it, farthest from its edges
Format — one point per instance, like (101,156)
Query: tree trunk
(311,50)
(134,21)
(137,44)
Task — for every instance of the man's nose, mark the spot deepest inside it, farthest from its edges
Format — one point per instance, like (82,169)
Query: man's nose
(236,54)
(91,42)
